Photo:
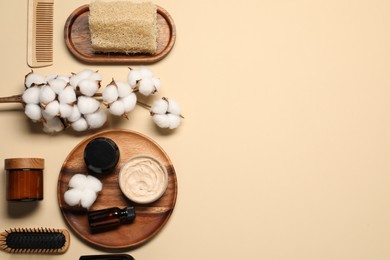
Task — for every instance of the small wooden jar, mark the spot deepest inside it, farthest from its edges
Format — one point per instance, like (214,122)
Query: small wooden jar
(24,179)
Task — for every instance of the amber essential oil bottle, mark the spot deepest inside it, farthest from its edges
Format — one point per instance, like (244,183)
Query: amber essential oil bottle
(110,218)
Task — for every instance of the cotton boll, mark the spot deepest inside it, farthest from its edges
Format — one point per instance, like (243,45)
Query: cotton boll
(145,72)
(117,108)
(88,87)
(78,181)
(53,125)
(133,76)
(52,109)
(156,83)
(88,198)
(110,93)
(34,79)
(160,106)
(124,88)
(64,78)
(67,96)
(47,116)
(95,76)
(80,125)
(74,81)
(75,115)
(93,184)
(46,94)
(97,119)
(31,95)
(146,86)
(174,121)
(73,197)
(87,105)
(50,77)
(65,110)
(58,85)
(129,102)
(84,74)
(76,78)
(161,120)
(33,112)
(173,107)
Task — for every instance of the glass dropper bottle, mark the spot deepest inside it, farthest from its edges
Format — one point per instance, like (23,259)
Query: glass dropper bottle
(110,218)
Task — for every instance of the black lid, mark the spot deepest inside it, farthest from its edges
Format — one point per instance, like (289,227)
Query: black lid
(101,155)
(129,214)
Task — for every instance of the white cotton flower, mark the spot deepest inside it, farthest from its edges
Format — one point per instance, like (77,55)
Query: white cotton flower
(110,94)
(93,184)
(156,83)
(124,88)
(67,96)
(133,77)
(87,105)
(73,197)
(33,111)
(145,72)
(174,121)
(146,86)
(75,115)
(52,109)
(88,87)
(46,94)
(64,78)
(161,120)
(173,107)
(80,125)
(31,95)
(78,181)
(83,190)
(53,125)
(97,119)
(160,106)
(50,77)
(88,198)
(95,76)
(65,110)
(34,79)
(166,113)
(76,78)
(129,102)
(86,73)
(117,108)
(58,85)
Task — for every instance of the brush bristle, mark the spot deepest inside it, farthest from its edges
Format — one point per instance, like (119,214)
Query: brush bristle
(35,240)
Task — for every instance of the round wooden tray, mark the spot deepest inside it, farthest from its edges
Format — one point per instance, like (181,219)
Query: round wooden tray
(78,39)
(150,218)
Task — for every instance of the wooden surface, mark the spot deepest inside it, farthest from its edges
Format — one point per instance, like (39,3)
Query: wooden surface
(78,39)
(150,218)
(24,163)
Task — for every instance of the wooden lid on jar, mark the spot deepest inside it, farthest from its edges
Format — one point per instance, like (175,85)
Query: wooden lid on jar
(24,163)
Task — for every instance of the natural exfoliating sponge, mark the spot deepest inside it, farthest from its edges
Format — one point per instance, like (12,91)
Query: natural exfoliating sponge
(123,26)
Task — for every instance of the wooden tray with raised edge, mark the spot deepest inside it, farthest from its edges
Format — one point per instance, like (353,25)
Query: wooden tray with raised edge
(78,39)
(150,218)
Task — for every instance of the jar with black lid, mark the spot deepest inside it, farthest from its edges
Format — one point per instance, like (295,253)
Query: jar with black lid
(101,156)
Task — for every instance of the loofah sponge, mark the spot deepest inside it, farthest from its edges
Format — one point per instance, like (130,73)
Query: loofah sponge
(123,26)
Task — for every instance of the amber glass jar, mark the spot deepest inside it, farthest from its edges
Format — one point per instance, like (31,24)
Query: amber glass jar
(24,179)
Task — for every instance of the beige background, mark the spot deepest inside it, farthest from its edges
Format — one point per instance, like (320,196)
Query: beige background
(285,149)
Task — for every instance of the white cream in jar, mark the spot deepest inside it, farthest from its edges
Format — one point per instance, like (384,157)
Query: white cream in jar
(143,179)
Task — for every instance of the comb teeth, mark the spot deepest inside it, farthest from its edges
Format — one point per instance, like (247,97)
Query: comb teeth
(35,240)
(40,38)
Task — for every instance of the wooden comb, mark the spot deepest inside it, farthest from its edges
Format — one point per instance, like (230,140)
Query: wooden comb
(40,33)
